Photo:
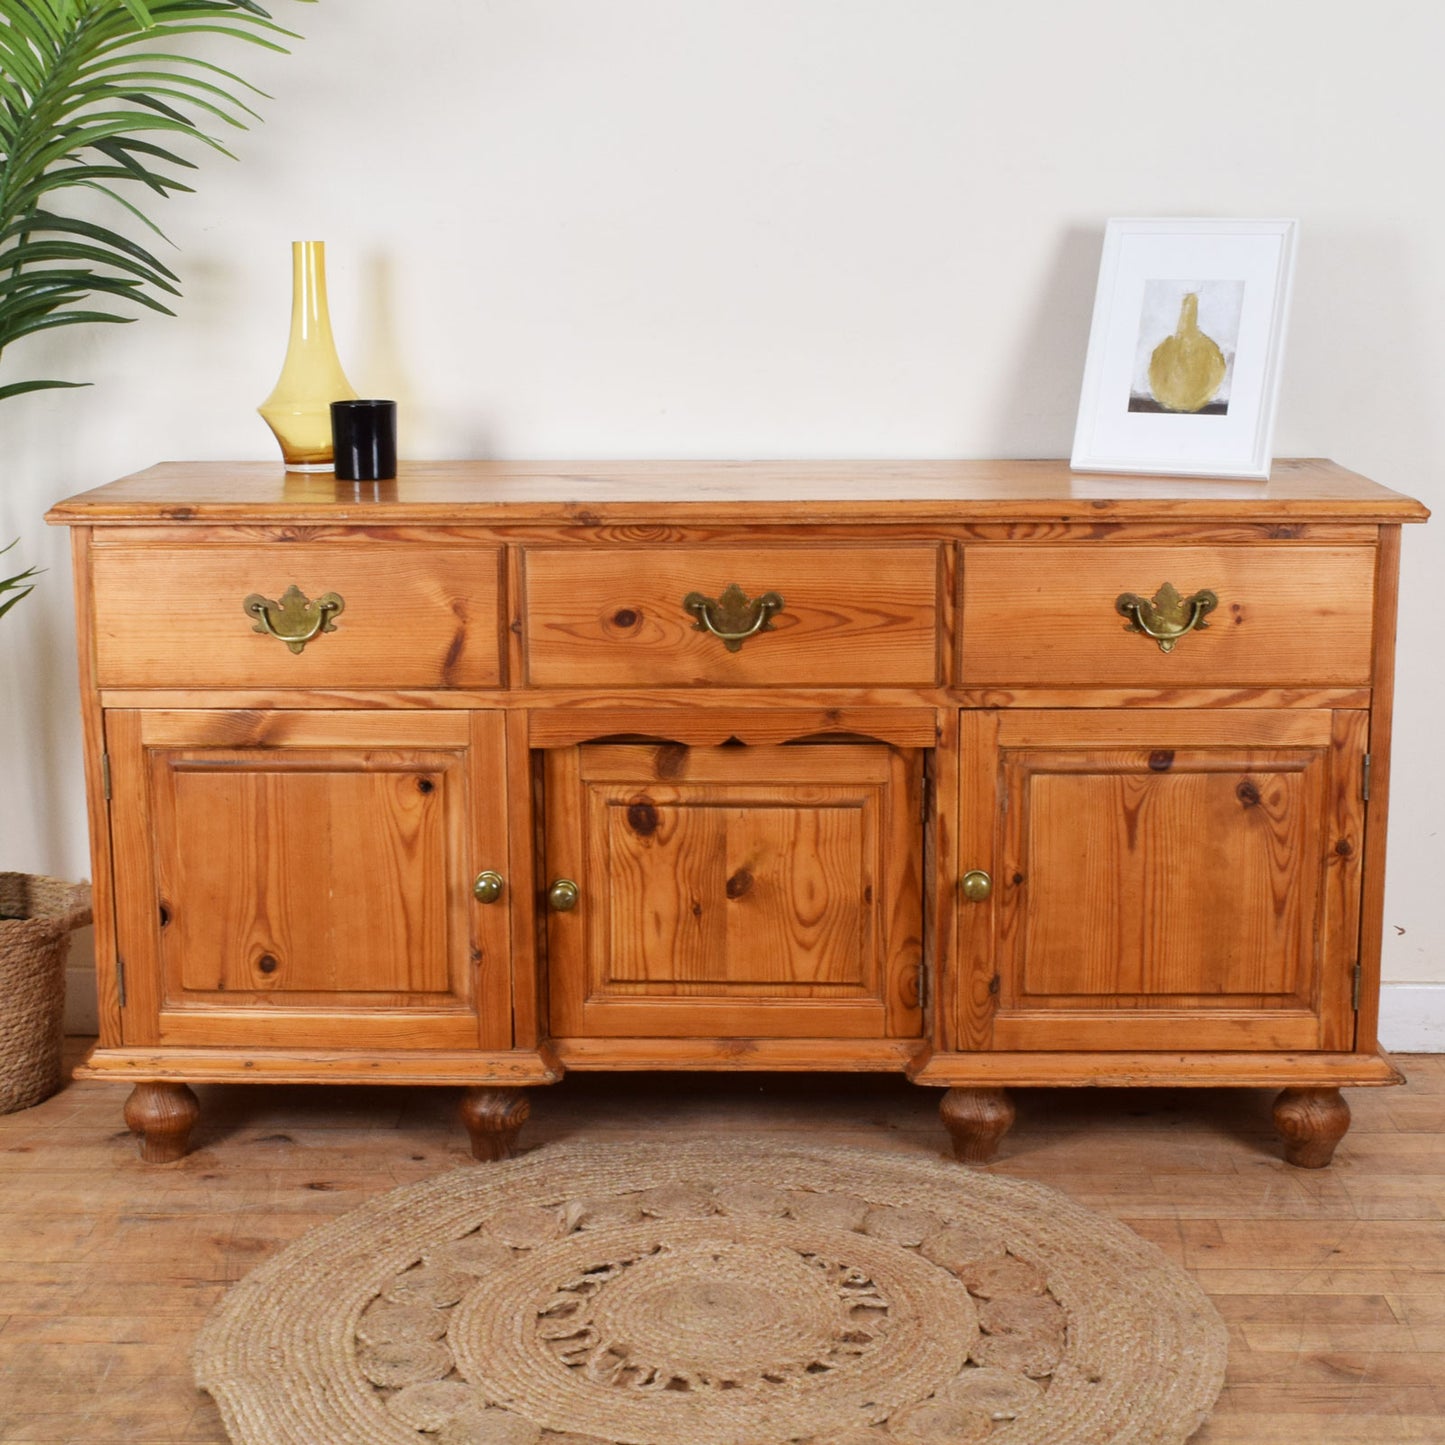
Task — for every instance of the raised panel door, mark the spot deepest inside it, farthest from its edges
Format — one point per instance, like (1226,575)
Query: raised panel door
(304,878)
(736,892)
(1162,880)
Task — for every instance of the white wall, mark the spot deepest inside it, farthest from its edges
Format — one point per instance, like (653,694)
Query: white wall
(770,227)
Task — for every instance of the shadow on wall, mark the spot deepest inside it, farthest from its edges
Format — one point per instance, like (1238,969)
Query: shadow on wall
(1037,399)
(40,769)
(82,1012)
(379,368)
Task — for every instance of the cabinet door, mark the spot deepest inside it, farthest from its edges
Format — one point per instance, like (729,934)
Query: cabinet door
(770,892)
(303,879)
(1162,879)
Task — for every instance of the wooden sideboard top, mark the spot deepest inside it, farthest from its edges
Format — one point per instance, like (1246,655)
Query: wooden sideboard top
(582,493)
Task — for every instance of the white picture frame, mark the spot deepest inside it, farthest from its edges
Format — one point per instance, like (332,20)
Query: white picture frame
(1239,274)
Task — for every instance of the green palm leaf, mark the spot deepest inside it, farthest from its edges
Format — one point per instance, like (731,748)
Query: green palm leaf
(16,587)
(100,94)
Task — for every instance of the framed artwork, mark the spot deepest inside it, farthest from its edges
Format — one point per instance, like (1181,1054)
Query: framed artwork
(1182,375)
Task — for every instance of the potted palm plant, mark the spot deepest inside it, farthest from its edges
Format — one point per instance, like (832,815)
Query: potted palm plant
(95,97)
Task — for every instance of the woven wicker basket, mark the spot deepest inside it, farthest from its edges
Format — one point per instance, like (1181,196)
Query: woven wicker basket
(36,919)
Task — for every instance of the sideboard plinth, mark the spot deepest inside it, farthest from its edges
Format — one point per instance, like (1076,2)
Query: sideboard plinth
(261,1066)
(1155,1070)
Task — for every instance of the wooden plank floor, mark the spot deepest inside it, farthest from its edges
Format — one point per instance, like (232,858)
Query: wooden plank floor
(1332,1282)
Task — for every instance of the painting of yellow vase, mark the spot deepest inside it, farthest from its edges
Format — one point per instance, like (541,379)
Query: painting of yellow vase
(1182,373)
(1185,357)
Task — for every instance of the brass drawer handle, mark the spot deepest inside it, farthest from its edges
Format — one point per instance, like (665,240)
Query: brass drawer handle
(298,620)
(1167,616)
(733,617)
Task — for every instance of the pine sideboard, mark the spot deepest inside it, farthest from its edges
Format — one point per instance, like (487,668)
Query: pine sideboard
(985,772)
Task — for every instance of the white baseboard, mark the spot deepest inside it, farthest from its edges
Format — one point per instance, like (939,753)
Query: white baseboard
(1412,1018)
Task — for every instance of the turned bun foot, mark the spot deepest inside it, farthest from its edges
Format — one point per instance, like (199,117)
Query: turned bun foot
(976,1120)
(493,1118)
(163,1115)
(1311,1122)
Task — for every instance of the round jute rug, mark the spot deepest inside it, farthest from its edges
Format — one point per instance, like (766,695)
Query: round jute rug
(734,1293)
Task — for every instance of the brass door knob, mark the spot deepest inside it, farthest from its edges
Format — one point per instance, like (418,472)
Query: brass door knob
(562,896)
(976,885)
(488,887)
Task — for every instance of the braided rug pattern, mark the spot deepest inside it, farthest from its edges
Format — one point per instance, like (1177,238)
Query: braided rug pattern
(734,1293)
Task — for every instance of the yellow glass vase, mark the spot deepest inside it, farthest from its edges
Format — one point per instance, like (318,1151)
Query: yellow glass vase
(299,407)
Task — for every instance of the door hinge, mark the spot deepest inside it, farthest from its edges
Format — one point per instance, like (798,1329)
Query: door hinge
(105,774)
(1355,988)
(120,979)
(925,798)
(1365,779)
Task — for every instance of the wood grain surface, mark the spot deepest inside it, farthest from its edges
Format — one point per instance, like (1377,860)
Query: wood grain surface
(851,614)
(1198,889)
(258,1064)
(1287,616)
(768,841)
(414,616)
(735,891)
(1332,1283)
(1372,908)
(313,888)
(660,493)
(97,804)
(1155,1068)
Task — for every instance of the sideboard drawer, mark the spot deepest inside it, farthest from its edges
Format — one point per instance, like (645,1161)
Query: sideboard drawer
(411,616)
(846,615)
(1284,616)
